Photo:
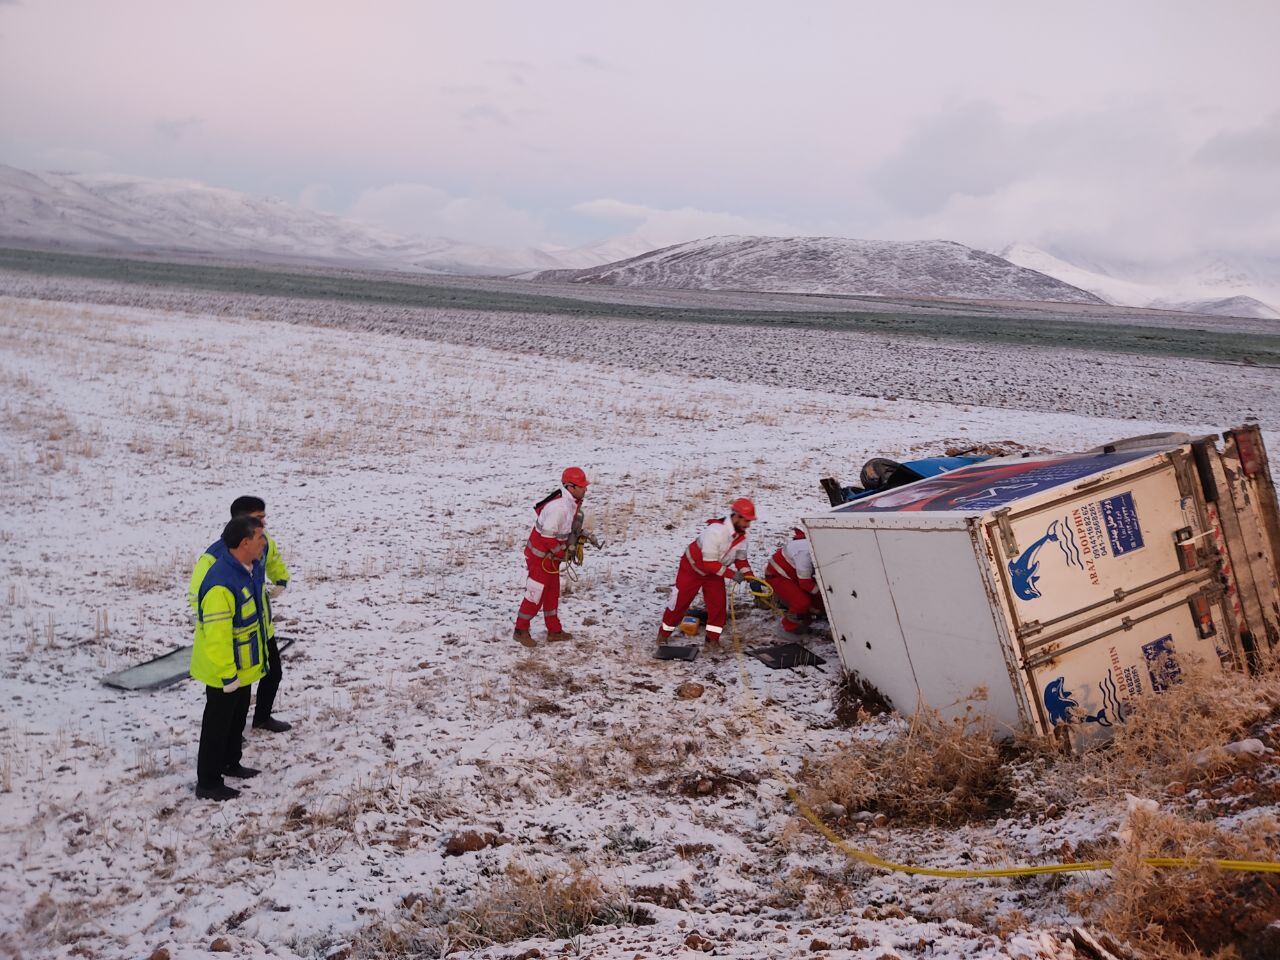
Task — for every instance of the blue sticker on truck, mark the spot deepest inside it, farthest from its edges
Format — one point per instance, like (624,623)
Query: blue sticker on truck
(1121,519)
(1162,664)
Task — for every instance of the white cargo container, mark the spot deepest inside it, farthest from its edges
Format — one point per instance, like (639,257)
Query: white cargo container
(1063,586)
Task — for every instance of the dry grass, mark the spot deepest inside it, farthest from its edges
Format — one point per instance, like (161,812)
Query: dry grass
(1170,743)
(953,771)
(812,892)
(51,921)
(1188,913)
(417,930)
(1178,735)
(937,771)
(160,571)
(522,903)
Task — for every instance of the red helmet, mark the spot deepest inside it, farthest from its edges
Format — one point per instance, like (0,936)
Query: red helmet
(744,508)
(574,475)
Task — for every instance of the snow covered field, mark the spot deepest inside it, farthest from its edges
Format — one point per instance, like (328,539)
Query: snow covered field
(399,474)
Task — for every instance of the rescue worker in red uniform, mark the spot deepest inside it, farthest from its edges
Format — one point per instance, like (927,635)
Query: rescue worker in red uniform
(790,573)
(557,527)
(719,554)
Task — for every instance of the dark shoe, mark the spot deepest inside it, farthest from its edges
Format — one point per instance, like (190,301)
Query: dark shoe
(272,725)
(220,792)
(240,772)
(558,635)
(524,638)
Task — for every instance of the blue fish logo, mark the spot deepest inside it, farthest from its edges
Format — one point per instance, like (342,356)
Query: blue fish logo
(1024,572)
(1062,707)
(1059,702)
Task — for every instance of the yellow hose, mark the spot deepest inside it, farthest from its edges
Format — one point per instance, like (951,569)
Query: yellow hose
(865,856)
(573,557)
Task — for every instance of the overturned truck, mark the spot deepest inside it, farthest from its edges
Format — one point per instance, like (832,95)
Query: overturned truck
(1064,586)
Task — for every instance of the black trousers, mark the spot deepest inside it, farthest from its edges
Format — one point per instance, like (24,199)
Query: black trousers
(220,732)
(269,684)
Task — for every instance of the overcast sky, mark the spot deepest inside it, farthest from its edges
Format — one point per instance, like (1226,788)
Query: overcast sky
(1124,128)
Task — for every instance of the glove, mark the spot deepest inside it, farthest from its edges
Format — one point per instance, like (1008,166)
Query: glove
(231,687)
(275,589)
(739,576)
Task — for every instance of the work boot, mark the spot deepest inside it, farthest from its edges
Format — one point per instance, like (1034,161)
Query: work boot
(524,638)
(663,638)
(240,772)
(557,635)
(272,725)
(219,792)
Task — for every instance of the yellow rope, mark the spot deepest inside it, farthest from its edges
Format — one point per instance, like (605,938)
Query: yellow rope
(573,558)
(865,856)
(763,593)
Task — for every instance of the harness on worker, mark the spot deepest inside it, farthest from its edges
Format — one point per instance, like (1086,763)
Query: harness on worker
(574,548)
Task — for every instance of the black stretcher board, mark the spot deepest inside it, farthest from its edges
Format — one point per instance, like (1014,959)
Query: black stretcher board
(786,656)
(165,670)
(670,651)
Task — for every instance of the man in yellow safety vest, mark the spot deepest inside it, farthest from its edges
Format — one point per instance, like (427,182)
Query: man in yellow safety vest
(229,654)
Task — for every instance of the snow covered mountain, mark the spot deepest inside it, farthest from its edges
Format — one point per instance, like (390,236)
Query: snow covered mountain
(110,212)
(833,265)
(1235,287)
(1222,307)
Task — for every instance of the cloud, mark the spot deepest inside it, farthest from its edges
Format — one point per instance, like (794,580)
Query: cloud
(485,113)
(175,128)
(517,72)
(423,210)
(974,149)
(1125,182)
(1257,146)
(968,150)
(667,226)
(74,160)
(316,196)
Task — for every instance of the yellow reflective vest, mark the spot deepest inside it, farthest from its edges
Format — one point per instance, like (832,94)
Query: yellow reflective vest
(276,572)
(230,635)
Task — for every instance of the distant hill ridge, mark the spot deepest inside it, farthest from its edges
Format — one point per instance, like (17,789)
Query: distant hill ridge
(112,213)
(1236,287)
(832,265)
(125,214)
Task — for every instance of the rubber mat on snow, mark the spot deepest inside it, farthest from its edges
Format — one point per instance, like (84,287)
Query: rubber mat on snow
(787,655)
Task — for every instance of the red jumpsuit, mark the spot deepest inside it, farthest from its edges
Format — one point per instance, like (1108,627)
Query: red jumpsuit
(548,542)
(715,556)
(790,573)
